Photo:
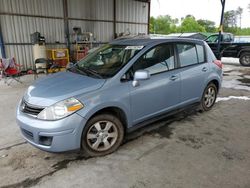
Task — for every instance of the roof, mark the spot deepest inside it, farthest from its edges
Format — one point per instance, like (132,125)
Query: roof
(147,40)
(197,35)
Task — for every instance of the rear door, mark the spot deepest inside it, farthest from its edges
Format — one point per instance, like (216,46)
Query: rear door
(161,92)
(193,71)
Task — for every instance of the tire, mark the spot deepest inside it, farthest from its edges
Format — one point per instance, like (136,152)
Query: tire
(209,97)
(102,135)
(245,59)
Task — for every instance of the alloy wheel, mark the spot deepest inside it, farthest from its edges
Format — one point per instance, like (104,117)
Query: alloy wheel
(246,60)
(102,135)
(209,97)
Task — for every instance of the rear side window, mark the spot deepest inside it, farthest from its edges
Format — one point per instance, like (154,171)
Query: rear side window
(190,54)
(200,53)
(210,55)
(187,54)
(158,59)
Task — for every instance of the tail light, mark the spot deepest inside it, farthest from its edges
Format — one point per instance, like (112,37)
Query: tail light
(218,63)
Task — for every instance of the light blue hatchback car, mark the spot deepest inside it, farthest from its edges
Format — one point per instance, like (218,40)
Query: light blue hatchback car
(116,89)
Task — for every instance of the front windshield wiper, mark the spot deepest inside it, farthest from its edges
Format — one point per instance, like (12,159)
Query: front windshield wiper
(76,68)
(89,71)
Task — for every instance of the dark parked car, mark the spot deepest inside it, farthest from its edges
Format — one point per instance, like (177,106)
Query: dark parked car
(230,48)
(116,89)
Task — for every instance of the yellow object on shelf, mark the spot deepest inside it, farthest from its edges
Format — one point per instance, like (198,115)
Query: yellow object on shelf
(60,57)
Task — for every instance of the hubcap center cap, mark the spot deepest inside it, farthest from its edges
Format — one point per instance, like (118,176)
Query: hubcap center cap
(102,135)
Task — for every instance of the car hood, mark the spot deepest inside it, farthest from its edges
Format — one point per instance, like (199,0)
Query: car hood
(60,86)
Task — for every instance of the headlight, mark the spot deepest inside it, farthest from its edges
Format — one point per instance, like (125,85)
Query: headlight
(60,109)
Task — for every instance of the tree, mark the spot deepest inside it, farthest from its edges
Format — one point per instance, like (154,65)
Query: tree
(239,12)
(166,24)
(230,19)
(163,24)
(152,25)
(190,16)
(208,25)
(248,7)
(189,24)
(244,31)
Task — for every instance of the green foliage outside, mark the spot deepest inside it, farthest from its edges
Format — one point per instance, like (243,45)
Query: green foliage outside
(166,24)
(189,24)
(163,24)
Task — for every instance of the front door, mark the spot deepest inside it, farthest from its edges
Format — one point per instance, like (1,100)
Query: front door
(161,92)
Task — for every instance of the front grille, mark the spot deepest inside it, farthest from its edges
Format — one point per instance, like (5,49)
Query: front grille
(28,134)
(29,109)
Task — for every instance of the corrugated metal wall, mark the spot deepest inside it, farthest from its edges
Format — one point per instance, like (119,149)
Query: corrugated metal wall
(102,31)
(135,12)
(132,11)
(88,10)
(91,9)
(17,26)
(33,7)
(20,18)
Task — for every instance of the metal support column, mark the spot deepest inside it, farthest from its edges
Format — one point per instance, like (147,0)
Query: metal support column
(221,28)
(114,19)
(66,23)
(2,47)
(149,6)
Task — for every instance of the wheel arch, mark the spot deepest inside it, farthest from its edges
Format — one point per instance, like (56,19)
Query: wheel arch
(106,111)
(215,82)
(114,110)
(245,50)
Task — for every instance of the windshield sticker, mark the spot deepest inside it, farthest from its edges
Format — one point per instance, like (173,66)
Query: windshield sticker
(134,47)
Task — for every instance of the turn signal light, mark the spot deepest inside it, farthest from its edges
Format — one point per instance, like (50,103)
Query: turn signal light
(75,107)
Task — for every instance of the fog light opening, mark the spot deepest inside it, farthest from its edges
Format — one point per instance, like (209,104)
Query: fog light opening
(45,140)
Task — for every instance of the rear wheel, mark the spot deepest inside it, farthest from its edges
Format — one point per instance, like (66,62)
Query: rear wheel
(102,135)
(209,97)
(245,59)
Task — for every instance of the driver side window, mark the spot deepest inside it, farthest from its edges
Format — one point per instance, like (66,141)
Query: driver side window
(158,59)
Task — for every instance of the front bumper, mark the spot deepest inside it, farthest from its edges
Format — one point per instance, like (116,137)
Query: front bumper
(53,136)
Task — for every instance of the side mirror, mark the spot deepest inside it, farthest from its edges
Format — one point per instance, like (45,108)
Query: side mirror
(140,75)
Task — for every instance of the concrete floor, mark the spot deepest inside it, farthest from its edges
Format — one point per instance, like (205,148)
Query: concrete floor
(189,150)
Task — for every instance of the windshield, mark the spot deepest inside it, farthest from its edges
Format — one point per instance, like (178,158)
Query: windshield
(212,38)
(107,60)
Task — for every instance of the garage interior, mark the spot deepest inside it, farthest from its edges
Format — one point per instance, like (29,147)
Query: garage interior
(94,22)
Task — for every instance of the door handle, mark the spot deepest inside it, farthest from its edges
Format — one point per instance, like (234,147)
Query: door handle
(204,69)
(173,77)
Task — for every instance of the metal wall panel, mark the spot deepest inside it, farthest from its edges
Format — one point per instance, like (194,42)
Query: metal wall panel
(132,29)
(22,53)
(131,11)
(102,31)
(91,9)
(34,7)
(17,29)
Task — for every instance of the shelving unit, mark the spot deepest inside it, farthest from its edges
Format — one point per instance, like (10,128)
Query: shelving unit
(82,43)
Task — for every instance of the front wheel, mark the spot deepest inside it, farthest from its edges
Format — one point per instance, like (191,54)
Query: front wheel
(245,59)
(102,135)
(209,97)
